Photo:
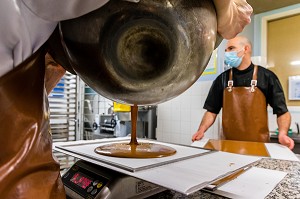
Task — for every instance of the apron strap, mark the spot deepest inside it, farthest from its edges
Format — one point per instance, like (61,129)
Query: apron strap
(253,83)
(230,81)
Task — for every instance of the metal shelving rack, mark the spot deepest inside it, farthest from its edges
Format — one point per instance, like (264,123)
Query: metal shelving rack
(74,107)
(63,115)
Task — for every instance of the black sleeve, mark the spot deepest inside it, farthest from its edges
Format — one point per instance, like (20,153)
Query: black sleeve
(276,97)
(214,99)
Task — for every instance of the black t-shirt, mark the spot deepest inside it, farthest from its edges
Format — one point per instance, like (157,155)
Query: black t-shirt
(267,82)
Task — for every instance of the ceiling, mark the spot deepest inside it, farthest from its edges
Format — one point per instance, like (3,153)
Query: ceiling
(260,6)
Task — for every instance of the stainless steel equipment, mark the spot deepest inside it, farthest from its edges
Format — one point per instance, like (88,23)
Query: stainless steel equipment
(146,122)
(142,53)
(105,128)
(147,118)
(87,180)
(107,124)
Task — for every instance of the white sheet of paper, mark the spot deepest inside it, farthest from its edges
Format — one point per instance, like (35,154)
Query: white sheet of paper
(278,151)
(200,143)
(193,174)
(255,183)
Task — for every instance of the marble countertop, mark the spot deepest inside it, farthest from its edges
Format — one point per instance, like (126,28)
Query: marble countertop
(289,187)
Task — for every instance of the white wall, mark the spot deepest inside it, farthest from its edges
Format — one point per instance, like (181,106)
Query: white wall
(179,118)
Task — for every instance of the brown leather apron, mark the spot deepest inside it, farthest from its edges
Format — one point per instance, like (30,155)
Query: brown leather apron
(244,115)
(27,167)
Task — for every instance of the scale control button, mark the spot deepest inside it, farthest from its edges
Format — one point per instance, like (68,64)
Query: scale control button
(95,182)
(90,189)
(99,185)
(94,191)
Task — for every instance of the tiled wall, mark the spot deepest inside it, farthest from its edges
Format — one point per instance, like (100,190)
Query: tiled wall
(179,118)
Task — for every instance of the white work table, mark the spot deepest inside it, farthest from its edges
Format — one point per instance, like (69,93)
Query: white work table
(186,176)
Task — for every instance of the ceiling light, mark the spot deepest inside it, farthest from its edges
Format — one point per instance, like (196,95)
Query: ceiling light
(295,63)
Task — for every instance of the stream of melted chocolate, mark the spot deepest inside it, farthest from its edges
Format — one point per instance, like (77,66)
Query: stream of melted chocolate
(135,149)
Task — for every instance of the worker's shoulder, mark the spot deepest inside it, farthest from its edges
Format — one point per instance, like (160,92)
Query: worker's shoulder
(266,72)
(224,73)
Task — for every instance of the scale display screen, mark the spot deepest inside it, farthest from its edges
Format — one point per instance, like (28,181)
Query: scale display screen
(81,180)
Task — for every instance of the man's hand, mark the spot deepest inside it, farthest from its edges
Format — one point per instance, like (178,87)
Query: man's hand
(286,141)
(197,136)
(207,120)
(232,16)
(284,122)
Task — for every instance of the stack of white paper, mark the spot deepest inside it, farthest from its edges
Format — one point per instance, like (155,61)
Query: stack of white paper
(255,183)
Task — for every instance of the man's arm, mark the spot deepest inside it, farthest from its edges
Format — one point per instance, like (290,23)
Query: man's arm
(284,122)
(207,120)
(232,16)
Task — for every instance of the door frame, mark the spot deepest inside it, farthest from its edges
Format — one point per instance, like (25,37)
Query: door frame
(264,25)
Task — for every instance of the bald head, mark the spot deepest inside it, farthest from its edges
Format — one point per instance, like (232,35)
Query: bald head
(244,41)
(238,43)
(243,47)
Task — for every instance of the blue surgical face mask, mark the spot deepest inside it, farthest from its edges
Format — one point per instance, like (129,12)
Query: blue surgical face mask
(232,59)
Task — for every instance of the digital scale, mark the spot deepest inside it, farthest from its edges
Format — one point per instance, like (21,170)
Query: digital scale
(89,181)
(187,171)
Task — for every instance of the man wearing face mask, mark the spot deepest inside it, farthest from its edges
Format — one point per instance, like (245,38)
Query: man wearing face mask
(243,92)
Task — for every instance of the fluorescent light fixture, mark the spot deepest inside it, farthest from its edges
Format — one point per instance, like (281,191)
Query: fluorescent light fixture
(295,63)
